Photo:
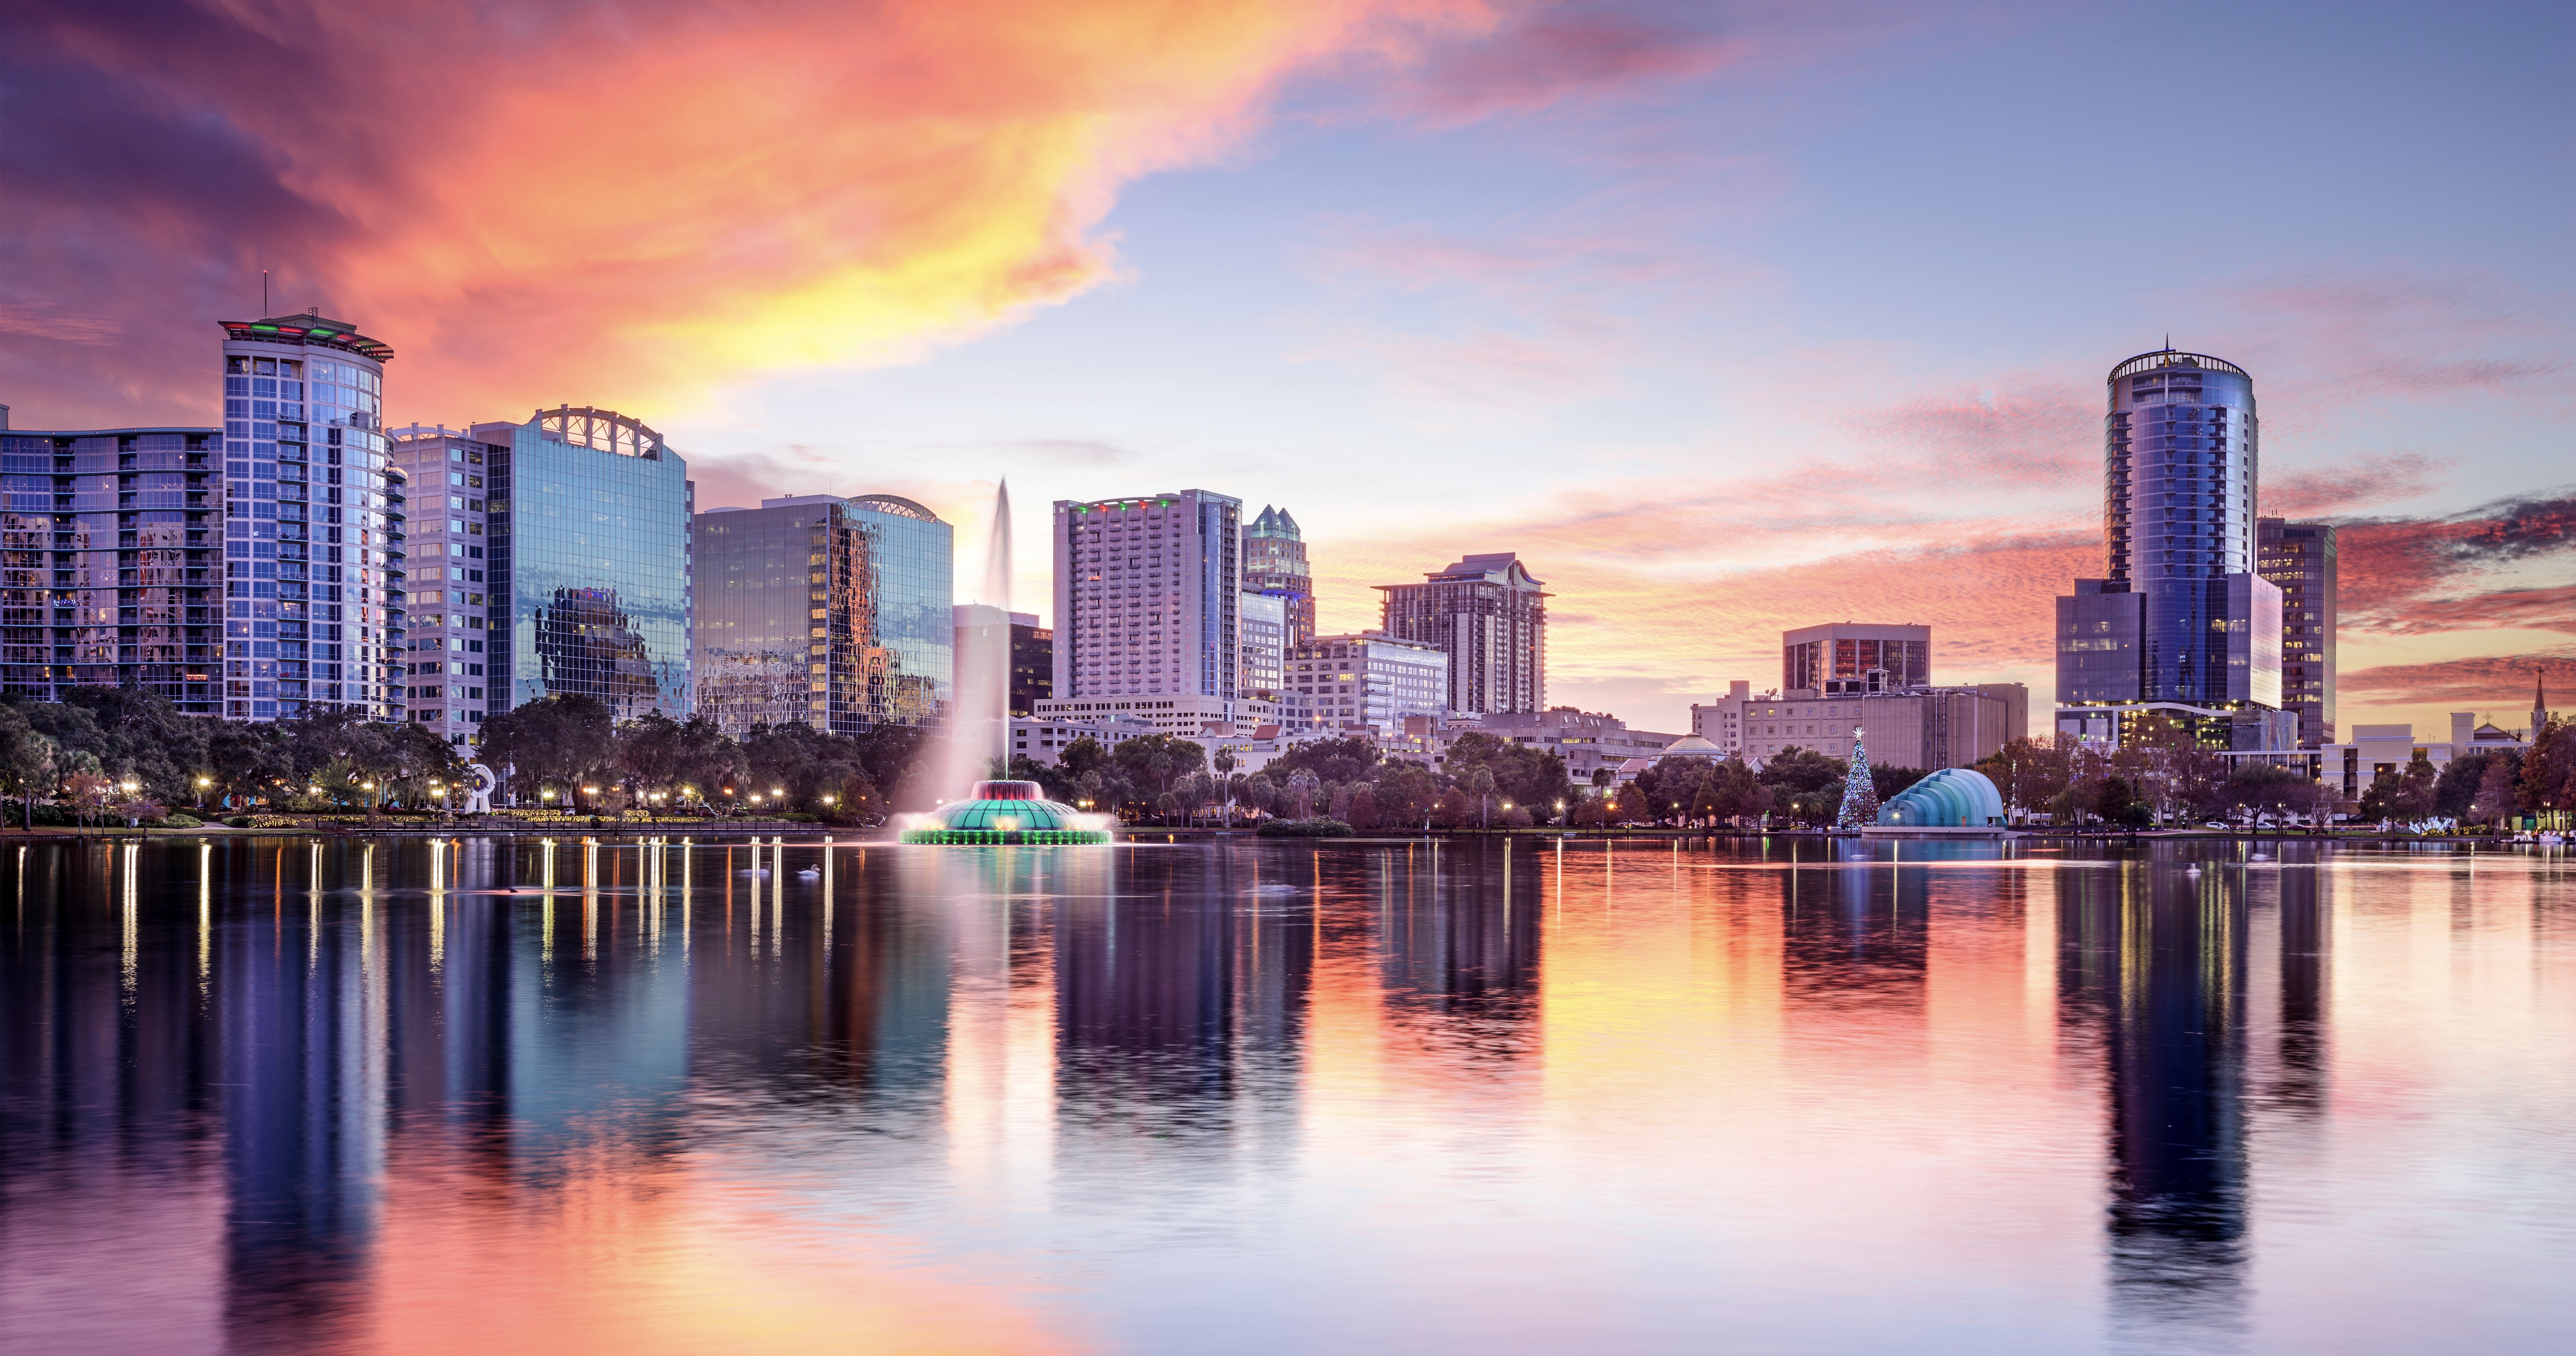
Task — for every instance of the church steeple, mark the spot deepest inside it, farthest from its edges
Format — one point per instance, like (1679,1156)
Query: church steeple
(2539,702)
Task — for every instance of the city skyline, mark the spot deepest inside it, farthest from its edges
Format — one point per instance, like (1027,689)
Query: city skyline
(1687,310)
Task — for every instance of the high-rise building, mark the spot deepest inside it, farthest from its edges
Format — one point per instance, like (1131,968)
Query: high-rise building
(584,559)
(313,556)
(1369,680)
(1263,669)
(1032,663)
(111,562)
(1490,617)
(1274,562)
(2181,626)
(447,676)
(1148,597)
(1841,658)
(825,611)
(2299,559)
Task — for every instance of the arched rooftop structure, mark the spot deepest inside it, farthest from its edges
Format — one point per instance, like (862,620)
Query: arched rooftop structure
(1952,798)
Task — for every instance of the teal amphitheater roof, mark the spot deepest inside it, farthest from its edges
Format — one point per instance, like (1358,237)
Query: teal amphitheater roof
(1952,798)
(1007,812)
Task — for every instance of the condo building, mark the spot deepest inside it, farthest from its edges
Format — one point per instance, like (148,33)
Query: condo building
(96,588)
(1148,603)
(1368,680)
(1274,563)
(2299,559)
(2181,627)
(1489,616)
(449,681)
(822,610)
(313,551)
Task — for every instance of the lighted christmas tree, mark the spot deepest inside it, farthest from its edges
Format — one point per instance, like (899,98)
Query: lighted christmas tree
(1860,795)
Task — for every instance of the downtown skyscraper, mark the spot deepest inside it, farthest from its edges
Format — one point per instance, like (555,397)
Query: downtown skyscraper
(312,540)
(1489,615)
(2182,625)
(1274,563)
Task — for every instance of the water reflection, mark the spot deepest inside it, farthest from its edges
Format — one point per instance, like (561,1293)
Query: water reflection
(286,1096)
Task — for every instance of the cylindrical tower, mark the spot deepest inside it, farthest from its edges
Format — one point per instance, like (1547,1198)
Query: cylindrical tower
(312,557)
(2179,466)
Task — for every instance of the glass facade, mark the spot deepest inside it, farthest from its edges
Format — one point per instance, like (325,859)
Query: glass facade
(448,632)
(830,612)
(2178,513)
(2180,444)
(2300,559)
(313,539)
(1847,657)
(1263,670)
(1368,680)
(586,553)
(111,563)
(1274,562)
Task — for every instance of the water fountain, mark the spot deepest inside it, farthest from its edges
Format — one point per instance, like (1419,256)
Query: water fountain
(977,748)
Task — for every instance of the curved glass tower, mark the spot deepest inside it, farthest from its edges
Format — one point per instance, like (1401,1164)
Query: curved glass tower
(2181,620)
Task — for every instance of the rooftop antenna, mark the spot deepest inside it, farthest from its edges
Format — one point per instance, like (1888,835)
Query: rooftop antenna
(263,294)
(2169,341)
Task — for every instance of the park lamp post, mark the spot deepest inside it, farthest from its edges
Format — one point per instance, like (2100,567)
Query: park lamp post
(202,784)
(592,793)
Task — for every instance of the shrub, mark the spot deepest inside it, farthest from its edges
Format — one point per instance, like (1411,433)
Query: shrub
(1305,828)
(180,819)
(239,821)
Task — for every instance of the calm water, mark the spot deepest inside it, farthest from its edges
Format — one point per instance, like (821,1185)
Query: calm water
(271,1097)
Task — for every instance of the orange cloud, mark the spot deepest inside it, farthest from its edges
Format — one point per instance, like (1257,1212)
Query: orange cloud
(622,205)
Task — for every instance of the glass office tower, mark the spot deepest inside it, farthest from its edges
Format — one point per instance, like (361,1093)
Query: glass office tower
(2181,620)
(585,553)
(313,560)
(111,562)
(1274,562)
(825,611)
(2300,558)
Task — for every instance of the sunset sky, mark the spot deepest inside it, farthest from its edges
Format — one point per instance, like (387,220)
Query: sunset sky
(1727,317)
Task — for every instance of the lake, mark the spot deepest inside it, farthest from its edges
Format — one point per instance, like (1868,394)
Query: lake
(284,1095)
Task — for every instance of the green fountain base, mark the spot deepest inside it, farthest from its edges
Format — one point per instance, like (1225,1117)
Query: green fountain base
(1005,837)
(1004,813)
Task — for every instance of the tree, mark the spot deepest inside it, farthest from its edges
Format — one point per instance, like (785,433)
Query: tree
(556,743)
(1796,769)
(1522,775)
(2116,801)
(2262,788)
(1344,758)
(2494,801)
(2413,799)
(2548,781)
(1363,814)
(1151,763)
(1406,794)
(26,759)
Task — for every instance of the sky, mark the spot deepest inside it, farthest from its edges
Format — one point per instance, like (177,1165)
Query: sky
(1727,317)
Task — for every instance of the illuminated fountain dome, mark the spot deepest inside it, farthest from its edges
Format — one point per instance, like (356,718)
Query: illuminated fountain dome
(1007,812)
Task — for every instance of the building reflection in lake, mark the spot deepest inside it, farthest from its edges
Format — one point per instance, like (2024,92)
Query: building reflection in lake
(2155,971)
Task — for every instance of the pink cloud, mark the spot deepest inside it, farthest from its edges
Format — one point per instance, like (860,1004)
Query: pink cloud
(2353,483)
(1557,54)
